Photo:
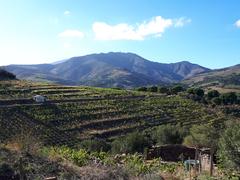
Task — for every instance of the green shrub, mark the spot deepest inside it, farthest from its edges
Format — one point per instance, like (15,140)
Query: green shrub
(153,89)
(169,134)
(79,157)
(229,98)
(213,94)
(163,90)
(229,147)
(142,89)
(95,145)
(134,142)
(176,89)
(216,100)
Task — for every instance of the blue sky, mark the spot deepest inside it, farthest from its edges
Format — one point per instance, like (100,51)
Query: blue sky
(206,32)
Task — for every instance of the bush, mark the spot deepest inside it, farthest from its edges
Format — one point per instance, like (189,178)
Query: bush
(134,142)
(229,144)
(142,89)
(163,90)
(213,94)
(176,89)
(216,100)
(79,157)
(95,145)
(229,98)
(153,89)
(169,134)
(205,135)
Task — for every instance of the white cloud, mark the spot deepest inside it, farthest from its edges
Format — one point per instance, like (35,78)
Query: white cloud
(155,27)
(237,23)
(71,34)
(180,22)
(67,13)
(104,31)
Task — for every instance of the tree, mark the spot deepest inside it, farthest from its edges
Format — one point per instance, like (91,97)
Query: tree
(169,134)
(190,91)
(153,89)
(229,147)
(229,98)
(199,92)
(95,145)
(216,100)
(134,142)
(195,94)
(212,94)
(142,89)
(163,90)
(176,89)
(205,135)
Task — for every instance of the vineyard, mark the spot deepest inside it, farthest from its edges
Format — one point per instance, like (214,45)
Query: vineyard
(72,114)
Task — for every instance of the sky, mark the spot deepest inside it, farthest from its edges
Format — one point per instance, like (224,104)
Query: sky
(205,32)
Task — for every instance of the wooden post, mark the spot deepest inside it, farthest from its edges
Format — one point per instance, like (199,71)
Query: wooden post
(196,157)
(189,168)
(211,161)
(200,162)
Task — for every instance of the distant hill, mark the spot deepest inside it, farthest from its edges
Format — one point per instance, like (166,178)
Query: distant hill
(221,78)
(5,75)
(108,70)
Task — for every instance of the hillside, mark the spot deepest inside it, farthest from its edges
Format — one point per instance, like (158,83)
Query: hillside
(5,75)
(226,79)
(107,70)
(72,114)
(81,130)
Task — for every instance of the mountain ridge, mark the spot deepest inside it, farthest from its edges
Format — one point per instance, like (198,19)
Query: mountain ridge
(220,79)
(113,69)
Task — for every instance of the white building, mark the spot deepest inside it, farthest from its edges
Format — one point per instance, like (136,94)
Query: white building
(39,98)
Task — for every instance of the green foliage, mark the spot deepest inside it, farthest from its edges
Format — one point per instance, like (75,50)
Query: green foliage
(153,89)
(195,94)
(163,90)
(135,164)
(169,134)
(216,100)
(95,145)
(229,98)
(213,94)
(196,91)
(134,142)
(229,147)
(142,89)
(202,136)
(176,89)
(79,157)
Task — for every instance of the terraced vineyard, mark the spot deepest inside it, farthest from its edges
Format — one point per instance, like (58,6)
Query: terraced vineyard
(72,113)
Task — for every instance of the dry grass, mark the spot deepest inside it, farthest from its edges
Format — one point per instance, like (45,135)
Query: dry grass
(24,142)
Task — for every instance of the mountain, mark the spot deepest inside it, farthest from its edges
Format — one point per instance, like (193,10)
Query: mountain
(112,69)
(5,75)
(227,77)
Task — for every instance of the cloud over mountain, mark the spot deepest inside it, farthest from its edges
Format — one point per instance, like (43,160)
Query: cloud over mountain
(123,31)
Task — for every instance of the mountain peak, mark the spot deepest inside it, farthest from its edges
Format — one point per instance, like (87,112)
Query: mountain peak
(108,69)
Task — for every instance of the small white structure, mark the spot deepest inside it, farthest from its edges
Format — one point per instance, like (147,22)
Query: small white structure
(39,98)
